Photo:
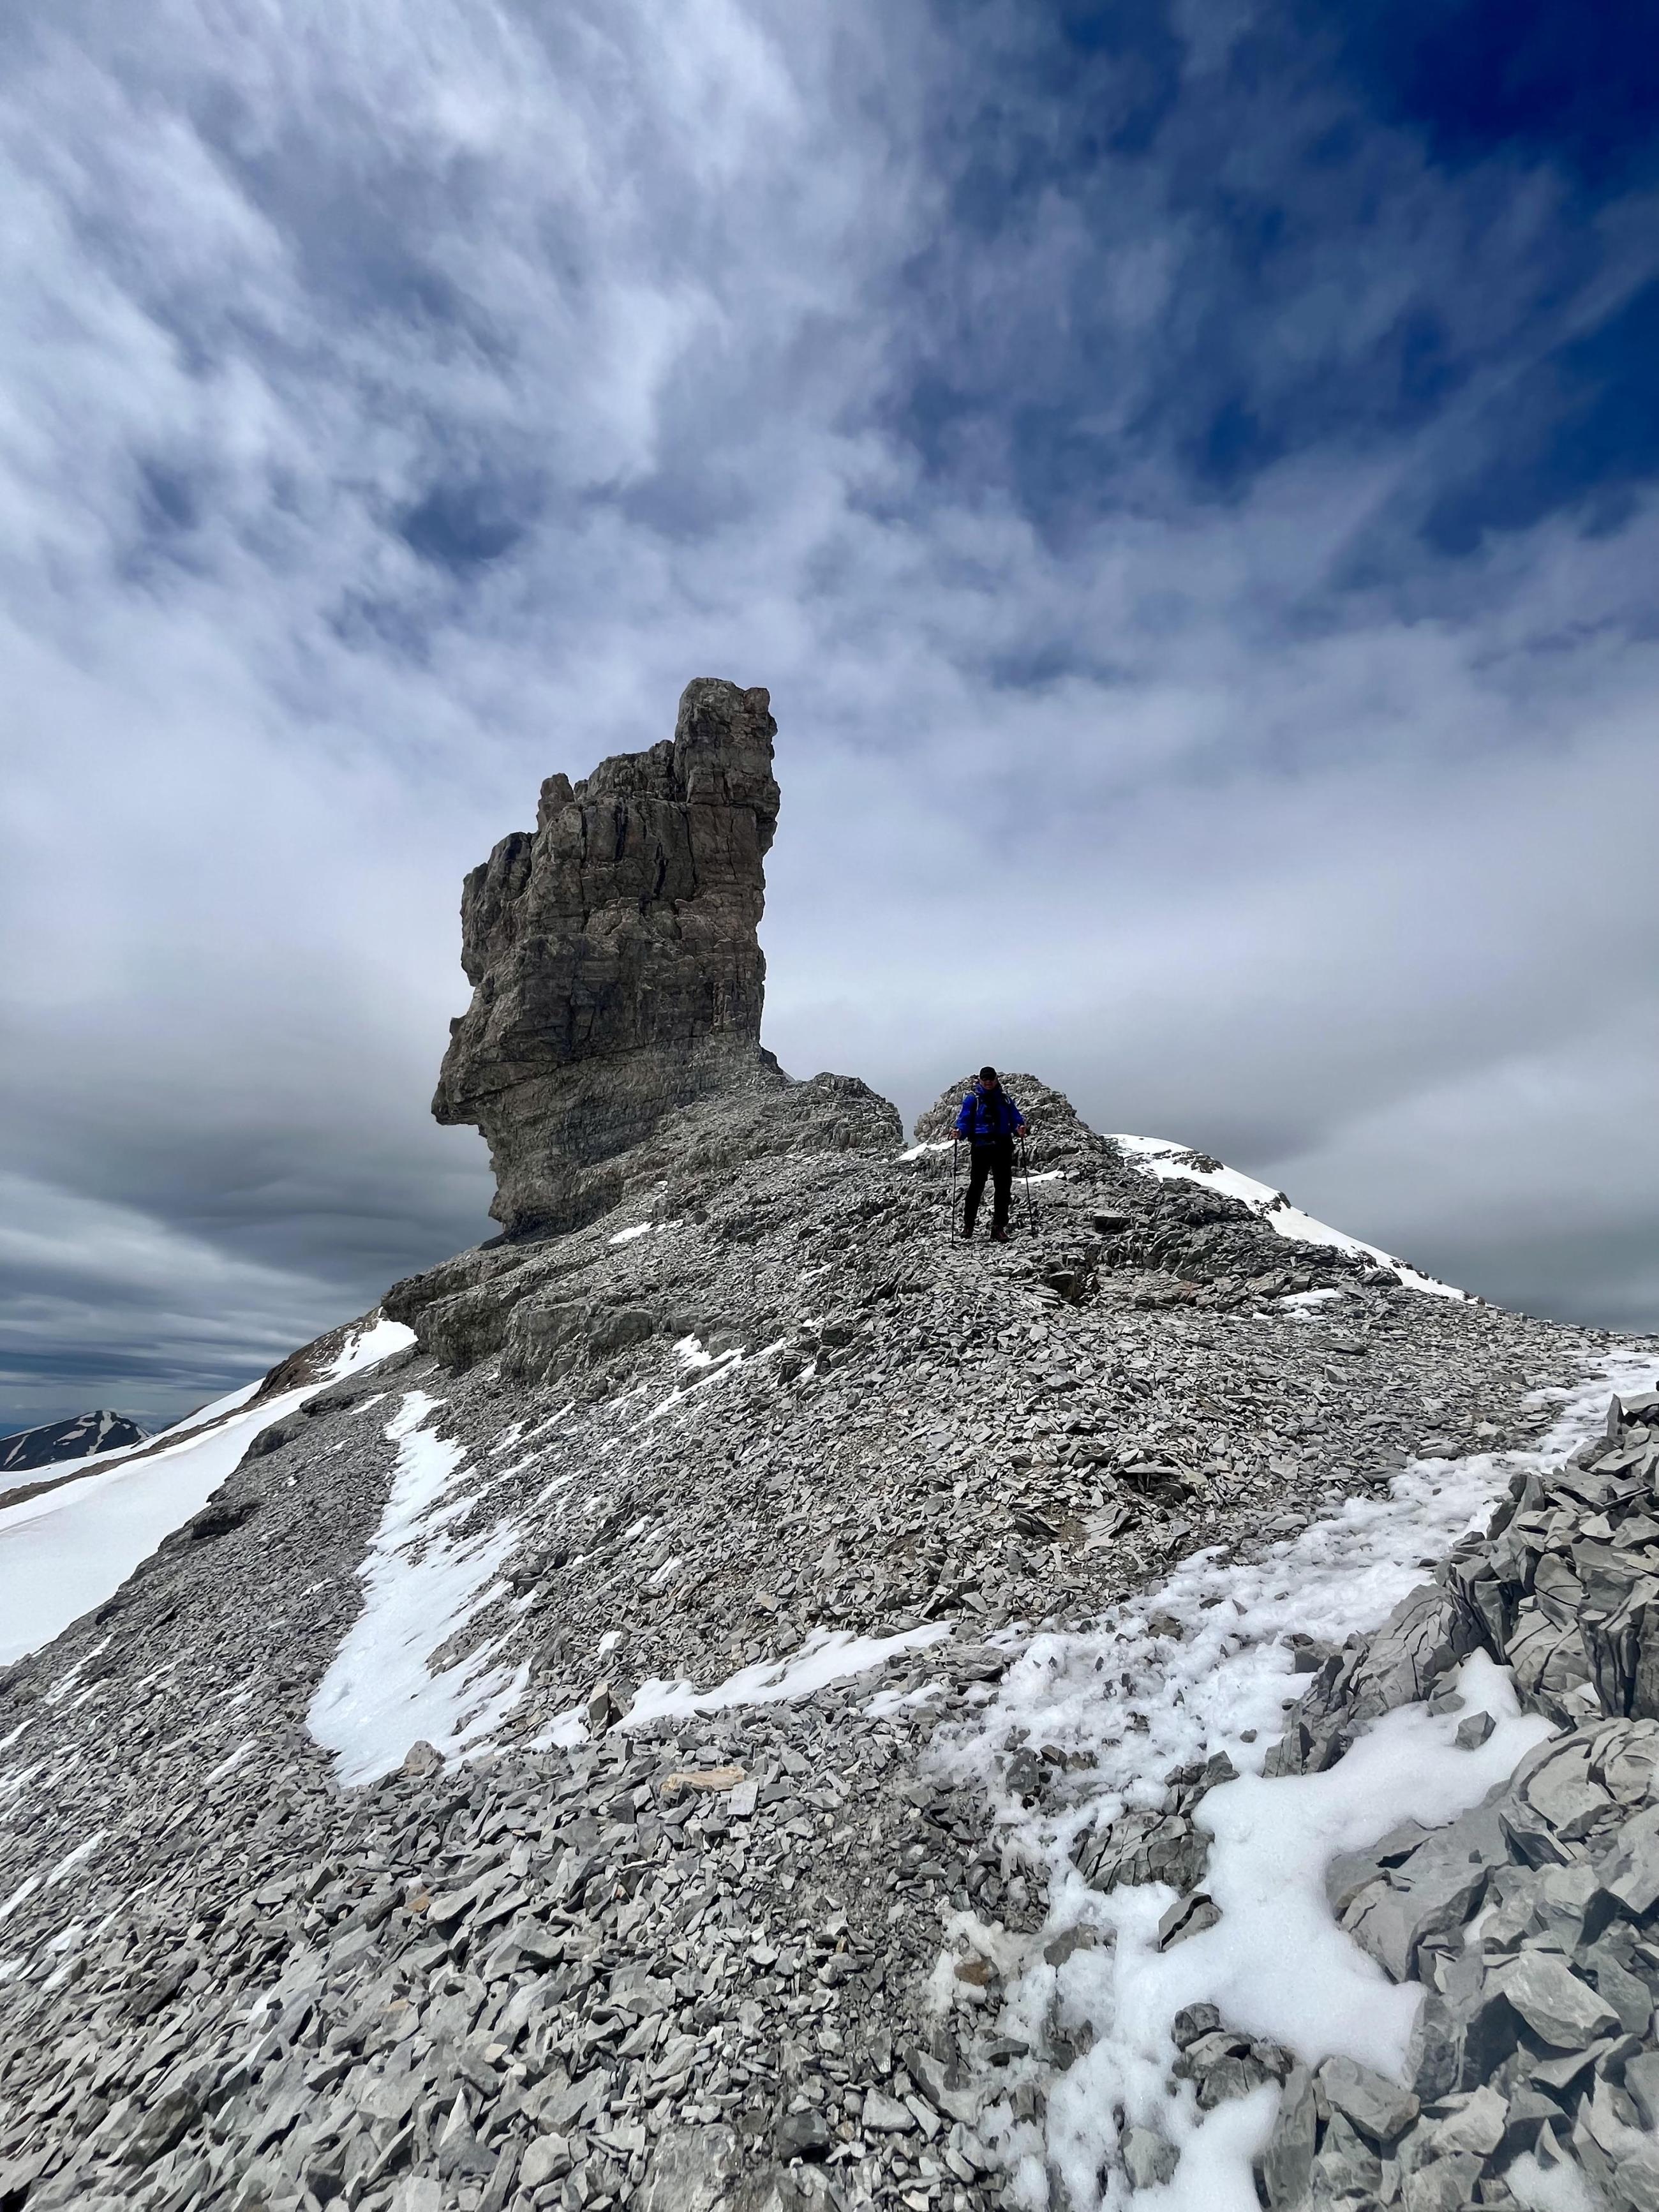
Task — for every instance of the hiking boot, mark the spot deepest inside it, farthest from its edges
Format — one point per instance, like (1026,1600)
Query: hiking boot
(999,1236)
(966,1235)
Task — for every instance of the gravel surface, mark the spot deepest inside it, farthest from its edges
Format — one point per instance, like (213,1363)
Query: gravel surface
(688,1529)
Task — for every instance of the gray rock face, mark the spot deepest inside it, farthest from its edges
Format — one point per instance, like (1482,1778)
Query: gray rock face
(528,1301)
(612,953)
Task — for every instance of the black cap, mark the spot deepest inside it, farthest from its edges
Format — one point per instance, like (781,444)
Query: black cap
(987,1075)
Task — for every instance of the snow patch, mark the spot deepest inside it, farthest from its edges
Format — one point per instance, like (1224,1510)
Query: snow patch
(710,1367)
(78,1857)
(568,1731)
(887,1702)
(20,1895)
(61,1688)
(368,1347)
(244,1750)
(826,1657)
(421,1586)
(1277,1963)
(1553,2189)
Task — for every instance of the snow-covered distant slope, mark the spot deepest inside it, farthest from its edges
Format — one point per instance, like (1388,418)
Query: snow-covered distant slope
(51,1442)
(67,1550)
(1173,1162)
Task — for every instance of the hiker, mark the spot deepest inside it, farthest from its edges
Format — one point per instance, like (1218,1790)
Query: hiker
(990,1121)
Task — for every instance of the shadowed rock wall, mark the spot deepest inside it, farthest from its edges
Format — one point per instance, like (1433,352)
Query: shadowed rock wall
(614,966)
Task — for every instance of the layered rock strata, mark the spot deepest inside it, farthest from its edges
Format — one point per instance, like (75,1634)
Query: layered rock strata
(615,970)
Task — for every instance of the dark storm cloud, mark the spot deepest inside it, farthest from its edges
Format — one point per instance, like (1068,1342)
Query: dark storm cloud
(1185,472)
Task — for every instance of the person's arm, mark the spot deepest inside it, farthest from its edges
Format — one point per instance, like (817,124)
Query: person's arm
(964,1114)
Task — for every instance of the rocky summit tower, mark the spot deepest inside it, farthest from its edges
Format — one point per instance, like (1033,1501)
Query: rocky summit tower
(615,970)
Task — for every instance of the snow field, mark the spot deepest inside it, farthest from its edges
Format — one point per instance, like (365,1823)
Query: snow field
(1199,1667)
(68,1550)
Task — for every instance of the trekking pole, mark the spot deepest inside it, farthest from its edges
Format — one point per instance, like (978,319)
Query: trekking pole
(1026,1169)
(955,1141)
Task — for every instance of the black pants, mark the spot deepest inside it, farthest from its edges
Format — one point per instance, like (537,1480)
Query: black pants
(996,1160)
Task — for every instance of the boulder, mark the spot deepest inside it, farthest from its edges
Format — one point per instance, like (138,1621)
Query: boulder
(1379,2108)
(1560,2010)
(1287,2162)
(1479,2125)
(1428,1633)
(691,2170)
(1149,2158)
(1144,1846)
(1630,1873)
(1435,1888)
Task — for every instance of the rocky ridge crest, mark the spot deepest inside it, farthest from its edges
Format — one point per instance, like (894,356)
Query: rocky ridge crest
(531,1783)
(666,1946)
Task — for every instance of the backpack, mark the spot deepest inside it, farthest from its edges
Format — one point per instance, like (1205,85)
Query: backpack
(992,1115)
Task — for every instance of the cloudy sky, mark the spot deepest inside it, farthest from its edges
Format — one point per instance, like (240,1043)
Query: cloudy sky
(1186,470)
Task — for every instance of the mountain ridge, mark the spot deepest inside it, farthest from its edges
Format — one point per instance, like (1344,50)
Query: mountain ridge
(77,1436)
(644,1622)
(729,1698)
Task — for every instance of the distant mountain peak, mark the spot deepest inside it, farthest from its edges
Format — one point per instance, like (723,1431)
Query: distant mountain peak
(77,1437)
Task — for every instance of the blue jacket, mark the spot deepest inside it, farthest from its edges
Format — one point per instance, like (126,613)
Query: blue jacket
(988,1115)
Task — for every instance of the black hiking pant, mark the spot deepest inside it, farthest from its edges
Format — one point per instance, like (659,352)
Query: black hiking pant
(996,1160)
